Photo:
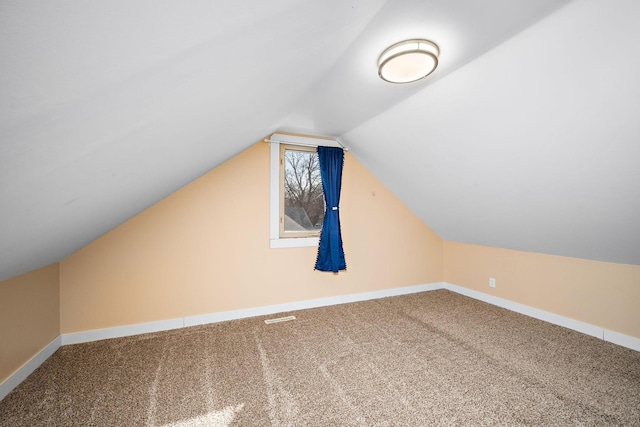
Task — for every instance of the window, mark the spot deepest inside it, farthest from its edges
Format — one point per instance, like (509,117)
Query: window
(301,195)
(296,196)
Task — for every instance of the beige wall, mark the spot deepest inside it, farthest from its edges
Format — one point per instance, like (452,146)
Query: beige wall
(205,249)
(29,316)
(599,293)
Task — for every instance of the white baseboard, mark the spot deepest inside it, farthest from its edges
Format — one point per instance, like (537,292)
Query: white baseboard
(141,328)
(121,331)
(621,339)
(576,325)
(302,305)
(203,319)
(28,367)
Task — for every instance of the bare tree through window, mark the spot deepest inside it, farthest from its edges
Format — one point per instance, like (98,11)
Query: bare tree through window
(303,195)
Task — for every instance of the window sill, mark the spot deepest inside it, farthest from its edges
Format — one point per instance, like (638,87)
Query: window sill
(300,242)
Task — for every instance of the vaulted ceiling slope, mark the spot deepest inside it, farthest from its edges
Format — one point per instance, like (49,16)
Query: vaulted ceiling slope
(533,146)
(107,107)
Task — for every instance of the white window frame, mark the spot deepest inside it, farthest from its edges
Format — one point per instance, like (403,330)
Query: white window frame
(275,241)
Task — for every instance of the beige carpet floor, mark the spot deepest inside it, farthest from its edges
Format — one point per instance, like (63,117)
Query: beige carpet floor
(435,358)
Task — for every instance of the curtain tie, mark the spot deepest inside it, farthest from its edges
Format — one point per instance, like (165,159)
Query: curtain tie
(335,208)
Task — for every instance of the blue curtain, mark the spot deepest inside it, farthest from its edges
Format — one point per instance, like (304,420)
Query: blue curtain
(330,253)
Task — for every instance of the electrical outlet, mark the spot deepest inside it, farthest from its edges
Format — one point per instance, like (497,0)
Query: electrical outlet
(492,282)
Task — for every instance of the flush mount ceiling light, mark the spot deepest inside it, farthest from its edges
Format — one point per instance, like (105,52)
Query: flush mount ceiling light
(408,61)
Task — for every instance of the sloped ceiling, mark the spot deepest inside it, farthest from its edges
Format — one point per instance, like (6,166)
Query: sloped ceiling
(525,136)
(533,146)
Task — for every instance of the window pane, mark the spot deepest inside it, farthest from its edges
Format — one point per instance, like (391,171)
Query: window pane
(303,196)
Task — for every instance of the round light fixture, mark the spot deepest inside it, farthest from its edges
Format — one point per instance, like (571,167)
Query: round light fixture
(408,61)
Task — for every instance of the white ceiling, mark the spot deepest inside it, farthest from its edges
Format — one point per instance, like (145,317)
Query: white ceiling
(533,146)
(525,137)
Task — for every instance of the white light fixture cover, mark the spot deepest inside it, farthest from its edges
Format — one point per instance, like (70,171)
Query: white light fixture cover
(408,61)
